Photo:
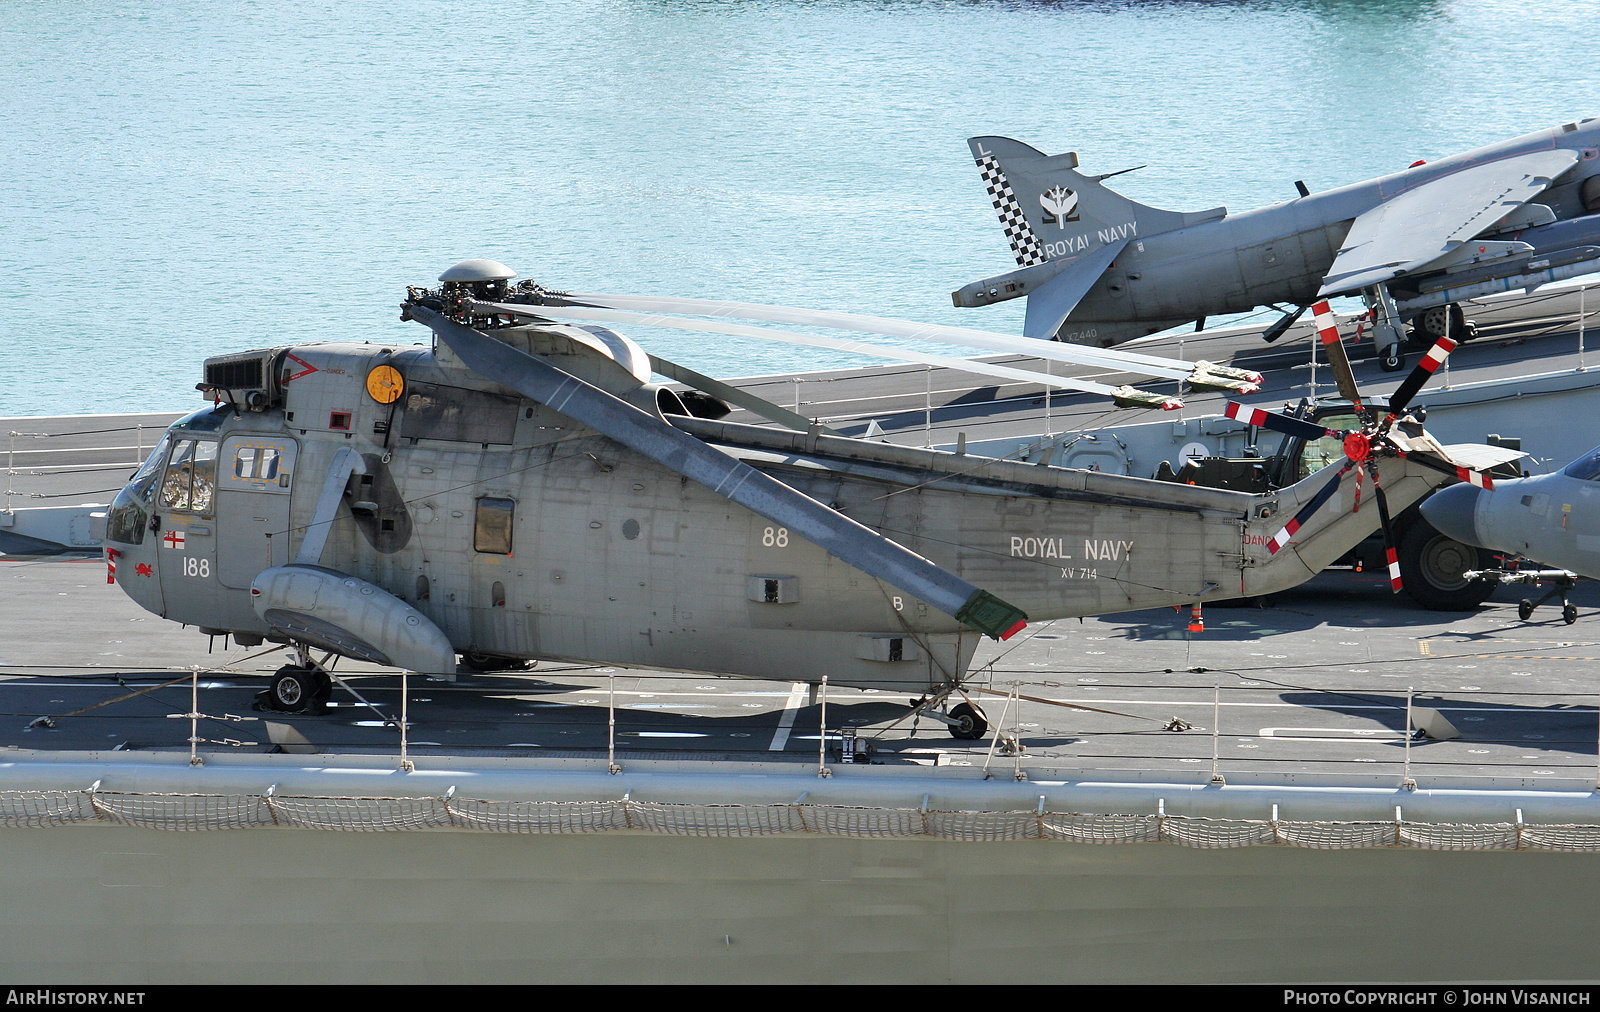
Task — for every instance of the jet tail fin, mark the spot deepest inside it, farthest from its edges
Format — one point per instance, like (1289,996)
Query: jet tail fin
(1050,211)
(1065,228)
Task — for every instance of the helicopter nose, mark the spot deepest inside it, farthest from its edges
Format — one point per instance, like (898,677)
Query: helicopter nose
(1453,511)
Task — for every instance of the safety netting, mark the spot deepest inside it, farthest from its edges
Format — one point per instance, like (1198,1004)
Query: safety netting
(199,812)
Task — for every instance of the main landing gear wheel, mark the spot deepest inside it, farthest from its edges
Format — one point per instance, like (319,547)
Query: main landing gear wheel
(298,690)
(1431,568)
(1432,324)
(970,722)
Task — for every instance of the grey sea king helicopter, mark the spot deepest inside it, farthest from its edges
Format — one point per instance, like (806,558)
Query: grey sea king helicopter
(1100,269)
(522,490)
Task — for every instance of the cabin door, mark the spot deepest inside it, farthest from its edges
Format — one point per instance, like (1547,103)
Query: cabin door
(255,474)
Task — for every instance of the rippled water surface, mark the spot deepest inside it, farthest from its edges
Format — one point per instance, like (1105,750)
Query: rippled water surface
(187,178)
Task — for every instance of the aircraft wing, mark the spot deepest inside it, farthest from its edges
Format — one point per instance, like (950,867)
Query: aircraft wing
(1424,223)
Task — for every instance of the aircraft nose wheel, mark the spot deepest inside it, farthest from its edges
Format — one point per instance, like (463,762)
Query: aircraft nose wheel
(297,690)
(970,723)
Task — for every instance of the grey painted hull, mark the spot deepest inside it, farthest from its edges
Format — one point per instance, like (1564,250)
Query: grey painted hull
(717,881)
(114,905)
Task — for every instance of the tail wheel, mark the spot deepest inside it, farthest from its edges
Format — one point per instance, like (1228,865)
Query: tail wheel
(1391,359)
(971,723)
(1431,568)
(1569,614)
(1524,609)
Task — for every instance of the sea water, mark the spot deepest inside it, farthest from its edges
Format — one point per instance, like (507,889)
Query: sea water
(194,177)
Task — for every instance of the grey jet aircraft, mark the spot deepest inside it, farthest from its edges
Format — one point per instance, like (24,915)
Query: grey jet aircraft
(521,489)
(1098,268)
(1551,518)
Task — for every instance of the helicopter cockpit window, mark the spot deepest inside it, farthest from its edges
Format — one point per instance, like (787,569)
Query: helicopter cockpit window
(127,517)
(144,479)
(491,532)
(1585,468)
(208,419)
(191,476)
(1319,453)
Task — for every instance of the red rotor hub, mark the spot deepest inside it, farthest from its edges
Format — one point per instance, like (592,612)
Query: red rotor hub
(1357,446)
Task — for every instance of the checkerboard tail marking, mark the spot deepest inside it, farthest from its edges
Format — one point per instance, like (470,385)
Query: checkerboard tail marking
(1024,243)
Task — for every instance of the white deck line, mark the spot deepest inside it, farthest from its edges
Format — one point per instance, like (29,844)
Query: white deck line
(780,737)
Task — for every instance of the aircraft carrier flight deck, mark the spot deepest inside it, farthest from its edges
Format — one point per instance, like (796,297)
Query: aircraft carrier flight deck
(1312,683)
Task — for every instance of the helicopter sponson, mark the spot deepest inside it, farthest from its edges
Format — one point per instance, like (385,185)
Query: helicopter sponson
(520,489)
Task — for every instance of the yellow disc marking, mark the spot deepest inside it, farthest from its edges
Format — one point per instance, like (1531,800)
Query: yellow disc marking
(385,384)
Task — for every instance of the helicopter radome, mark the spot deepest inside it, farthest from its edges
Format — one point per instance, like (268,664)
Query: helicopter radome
(522,490)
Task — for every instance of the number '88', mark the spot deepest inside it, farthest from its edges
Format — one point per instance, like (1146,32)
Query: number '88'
(775,537)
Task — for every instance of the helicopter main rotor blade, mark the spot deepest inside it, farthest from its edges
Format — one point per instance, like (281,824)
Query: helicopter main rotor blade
(1328,331)
(1281,538)
(855,544)
(1481,479)
(1106,358)
(1420,373)
(1123,396)
(1391,558)
(1276,422)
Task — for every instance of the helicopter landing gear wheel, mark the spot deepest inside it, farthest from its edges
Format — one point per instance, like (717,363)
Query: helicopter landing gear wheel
(1525,609)
(971,723)
(1391,359)
(477,660)
(295,689)
(1569,614)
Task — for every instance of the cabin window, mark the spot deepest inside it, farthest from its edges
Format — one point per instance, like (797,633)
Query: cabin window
(191,476)
(256,463)
(491,532)
(468,416)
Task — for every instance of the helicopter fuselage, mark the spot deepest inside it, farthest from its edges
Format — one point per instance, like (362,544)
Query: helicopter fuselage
(520,533)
